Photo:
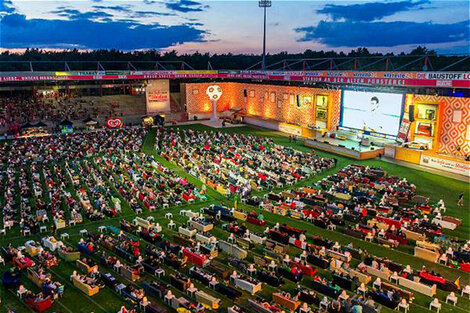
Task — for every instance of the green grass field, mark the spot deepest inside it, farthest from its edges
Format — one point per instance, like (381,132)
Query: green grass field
(434,186)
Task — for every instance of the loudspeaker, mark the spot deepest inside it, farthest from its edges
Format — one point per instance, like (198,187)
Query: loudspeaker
(341,146)
(411,113)
(298,101)
(372,148)
(352,148)
(245,93)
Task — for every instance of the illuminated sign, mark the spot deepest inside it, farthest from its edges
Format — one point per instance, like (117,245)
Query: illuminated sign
(114,122)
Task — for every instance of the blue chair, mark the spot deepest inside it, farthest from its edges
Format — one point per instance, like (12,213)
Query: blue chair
(11,279)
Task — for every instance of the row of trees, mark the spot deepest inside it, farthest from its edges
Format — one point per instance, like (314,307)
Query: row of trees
(44,60)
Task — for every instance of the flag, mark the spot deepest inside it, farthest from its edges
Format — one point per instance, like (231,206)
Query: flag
(457,283)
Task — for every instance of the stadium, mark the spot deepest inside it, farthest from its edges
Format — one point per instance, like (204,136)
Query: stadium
(234,183)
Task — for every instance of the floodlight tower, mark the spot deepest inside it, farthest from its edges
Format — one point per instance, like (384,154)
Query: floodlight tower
(264,4)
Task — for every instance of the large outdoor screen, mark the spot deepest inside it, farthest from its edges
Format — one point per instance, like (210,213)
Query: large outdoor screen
(372,111)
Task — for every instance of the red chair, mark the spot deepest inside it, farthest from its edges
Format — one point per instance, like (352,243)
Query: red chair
(23,262)
(305,269)
(39,306)
(194,258)
(465,267)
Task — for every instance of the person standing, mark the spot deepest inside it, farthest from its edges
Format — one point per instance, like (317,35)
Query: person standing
(460,202)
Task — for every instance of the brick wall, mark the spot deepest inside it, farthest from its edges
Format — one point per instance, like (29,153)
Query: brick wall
(266,101)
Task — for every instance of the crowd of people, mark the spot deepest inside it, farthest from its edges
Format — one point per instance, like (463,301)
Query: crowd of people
(61,176)
(234,163)
(50,107)
(378,205)
(36,188)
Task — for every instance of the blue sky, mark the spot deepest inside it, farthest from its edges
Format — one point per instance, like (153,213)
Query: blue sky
(235,26)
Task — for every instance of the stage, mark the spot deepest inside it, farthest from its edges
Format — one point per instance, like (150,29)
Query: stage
(348,148)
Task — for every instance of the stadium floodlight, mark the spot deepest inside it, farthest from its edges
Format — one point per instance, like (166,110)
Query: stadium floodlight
(264,4)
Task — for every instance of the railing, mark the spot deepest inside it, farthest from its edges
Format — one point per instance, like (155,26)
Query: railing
(436,63)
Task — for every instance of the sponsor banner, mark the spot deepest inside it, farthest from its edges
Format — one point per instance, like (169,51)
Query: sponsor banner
(445,75)
(453,166)
(87,73)
(424,79)
(158,96)
(208,72)
(114,122)
(404,130)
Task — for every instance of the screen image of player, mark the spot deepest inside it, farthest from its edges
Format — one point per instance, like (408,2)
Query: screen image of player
(377,112)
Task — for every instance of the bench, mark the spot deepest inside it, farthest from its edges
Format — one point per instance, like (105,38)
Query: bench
(413,235)
(128,273)
(402,292)
(337,255)
(257,238)
(290,304)
(426,254)
(204,239)
(139,221)
(240,215)
(84,267)
(187,232)
(384,275)
(207,299)
(250,287)
(87,289)
(244,243)
(233,249)
(33,276)
(427,290)
(203,227)
(362,278)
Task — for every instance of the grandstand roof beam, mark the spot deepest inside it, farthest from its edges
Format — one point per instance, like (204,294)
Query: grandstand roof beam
(343,63)
(387,61)
(286,61)
(317,64)
(66,66)
(254,65)
(427,61)
(455,63)
(187,65)
(157,64)
(31,66)
(409,63)
(99,67)
(372,63)
(130,65)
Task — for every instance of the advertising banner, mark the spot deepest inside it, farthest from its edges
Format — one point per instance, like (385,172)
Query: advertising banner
(453,166)
(404,130)
(114,122)
(158,96)
(423,79)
